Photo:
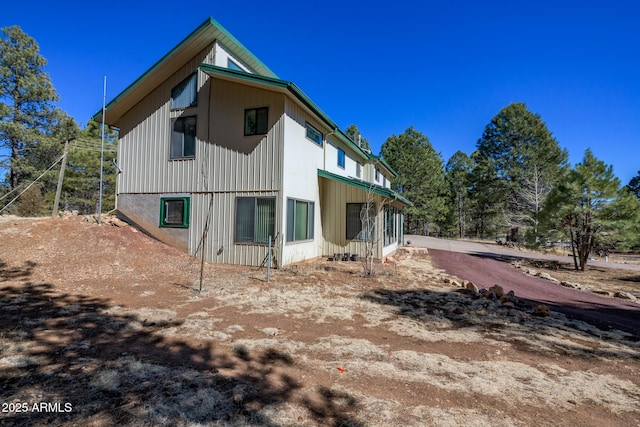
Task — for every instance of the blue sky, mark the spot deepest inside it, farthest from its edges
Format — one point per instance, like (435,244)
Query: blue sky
(444,67)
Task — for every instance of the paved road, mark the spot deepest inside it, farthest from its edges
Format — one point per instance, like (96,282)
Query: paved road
(494,250)
(486,265)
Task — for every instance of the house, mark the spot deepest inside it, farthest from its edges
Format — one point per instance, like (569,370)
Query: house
(218,154)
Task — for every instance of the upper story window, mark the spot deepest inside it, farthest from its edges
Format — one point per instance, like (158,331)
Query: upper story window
(358,170)
(185,94)
(233,66)
(256,121)
(183,138)
(377,174)
(314,134)
(341,158)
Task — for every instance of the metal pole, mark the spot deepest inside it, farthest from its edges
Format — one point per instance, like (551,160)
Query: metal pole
(56,202)
(104,100)
(269,262)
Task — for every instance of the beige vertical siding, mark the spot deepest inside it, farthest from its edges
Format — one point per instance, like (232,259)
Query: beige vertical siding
(145,132)
(227,164)
(335,196)
(220,247)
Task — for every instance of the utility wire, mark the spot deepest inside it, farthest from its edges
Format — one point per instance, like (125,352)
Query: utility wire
(29,186)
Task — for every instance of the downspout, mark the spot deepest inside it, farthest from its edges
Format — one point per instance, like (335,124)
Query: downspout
(324,149)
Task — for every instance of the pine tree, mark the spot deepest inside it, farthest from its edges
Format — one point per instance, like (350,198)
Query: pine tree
(26,97)
(354,133)
(458,170)
(528,163)
(589,208)
(420,178)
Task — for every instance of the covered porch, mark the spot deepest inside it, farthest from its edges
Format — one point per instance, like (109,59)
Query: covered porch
(357,215)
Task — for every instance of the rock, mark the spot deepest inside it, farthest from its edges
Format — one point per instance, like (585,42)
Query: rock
(497,290)
(569,285)
(546,276)
(625,295)
(541,311)
(471,287)
(509,297)
(602,292)
(508,304)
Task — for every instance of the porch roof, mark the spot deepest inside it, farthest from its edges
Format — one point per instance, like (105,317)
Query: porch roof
(365,186)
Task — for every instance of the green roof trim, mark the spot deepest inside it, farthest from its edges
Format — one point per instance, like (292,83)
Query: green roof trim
(295,91)
(365,186)
(384,162)
(207,24)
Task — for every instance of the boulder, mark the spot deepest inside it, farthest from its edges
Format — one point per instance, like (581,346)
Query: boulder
(569,285)
(470,286)
(546,276)
(497,290)
(625,295)
(541,311)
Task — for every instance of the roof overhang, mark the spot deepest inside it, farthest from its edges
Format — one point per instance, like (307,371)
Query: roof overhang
(366,186)
(203,36)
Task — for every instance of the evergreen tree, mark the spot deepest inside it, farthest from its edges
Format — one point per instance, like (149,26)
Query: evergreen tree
(634,185)
(458,170)
(420,178)
(590,209)
(81,188)
(528,163)
(26,97)
(486,197)
(354,133)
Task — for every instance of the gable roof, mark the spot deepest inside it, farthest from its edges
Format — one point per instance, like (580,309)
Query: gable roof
(209,31)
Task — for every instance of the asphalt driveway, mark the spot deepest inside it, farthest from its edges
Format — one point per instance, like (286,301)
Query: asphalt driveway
(486,265)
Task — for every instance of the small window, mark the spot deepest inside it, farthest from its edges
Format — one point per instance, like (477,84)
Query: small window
(341,158)
(233,66)
(256,121)
(174,212)
(255,219)
(377,174)
(361,219)
(185,94)
(300,216)
(314,134)
(358,170)
(183,138)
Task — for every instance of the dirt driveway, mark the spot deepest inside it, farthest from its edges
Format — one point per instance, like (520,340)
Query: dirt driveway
(486,265)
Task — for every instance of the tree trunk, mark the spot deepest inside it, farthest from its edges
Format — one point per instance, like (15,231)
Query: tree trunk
(14,162)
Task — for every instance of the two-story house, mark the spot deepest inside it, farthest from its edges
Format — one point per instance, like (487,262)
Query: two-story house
(219,154)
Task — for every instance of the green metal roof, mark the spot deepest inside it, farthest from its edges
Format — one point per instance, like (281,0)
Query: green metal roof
(209,31)
(365,186)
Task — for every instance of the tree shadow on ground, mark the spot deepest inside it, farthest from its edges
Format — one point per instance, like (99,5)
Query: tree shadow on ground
(490,317)
(91,366)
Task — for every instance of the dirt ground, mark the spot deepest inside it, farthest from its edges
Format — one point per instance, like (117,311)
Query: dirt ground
(102,325)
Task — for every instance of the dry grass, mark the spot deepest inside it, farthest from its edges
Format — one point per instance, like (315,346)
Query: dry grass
(319,345)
